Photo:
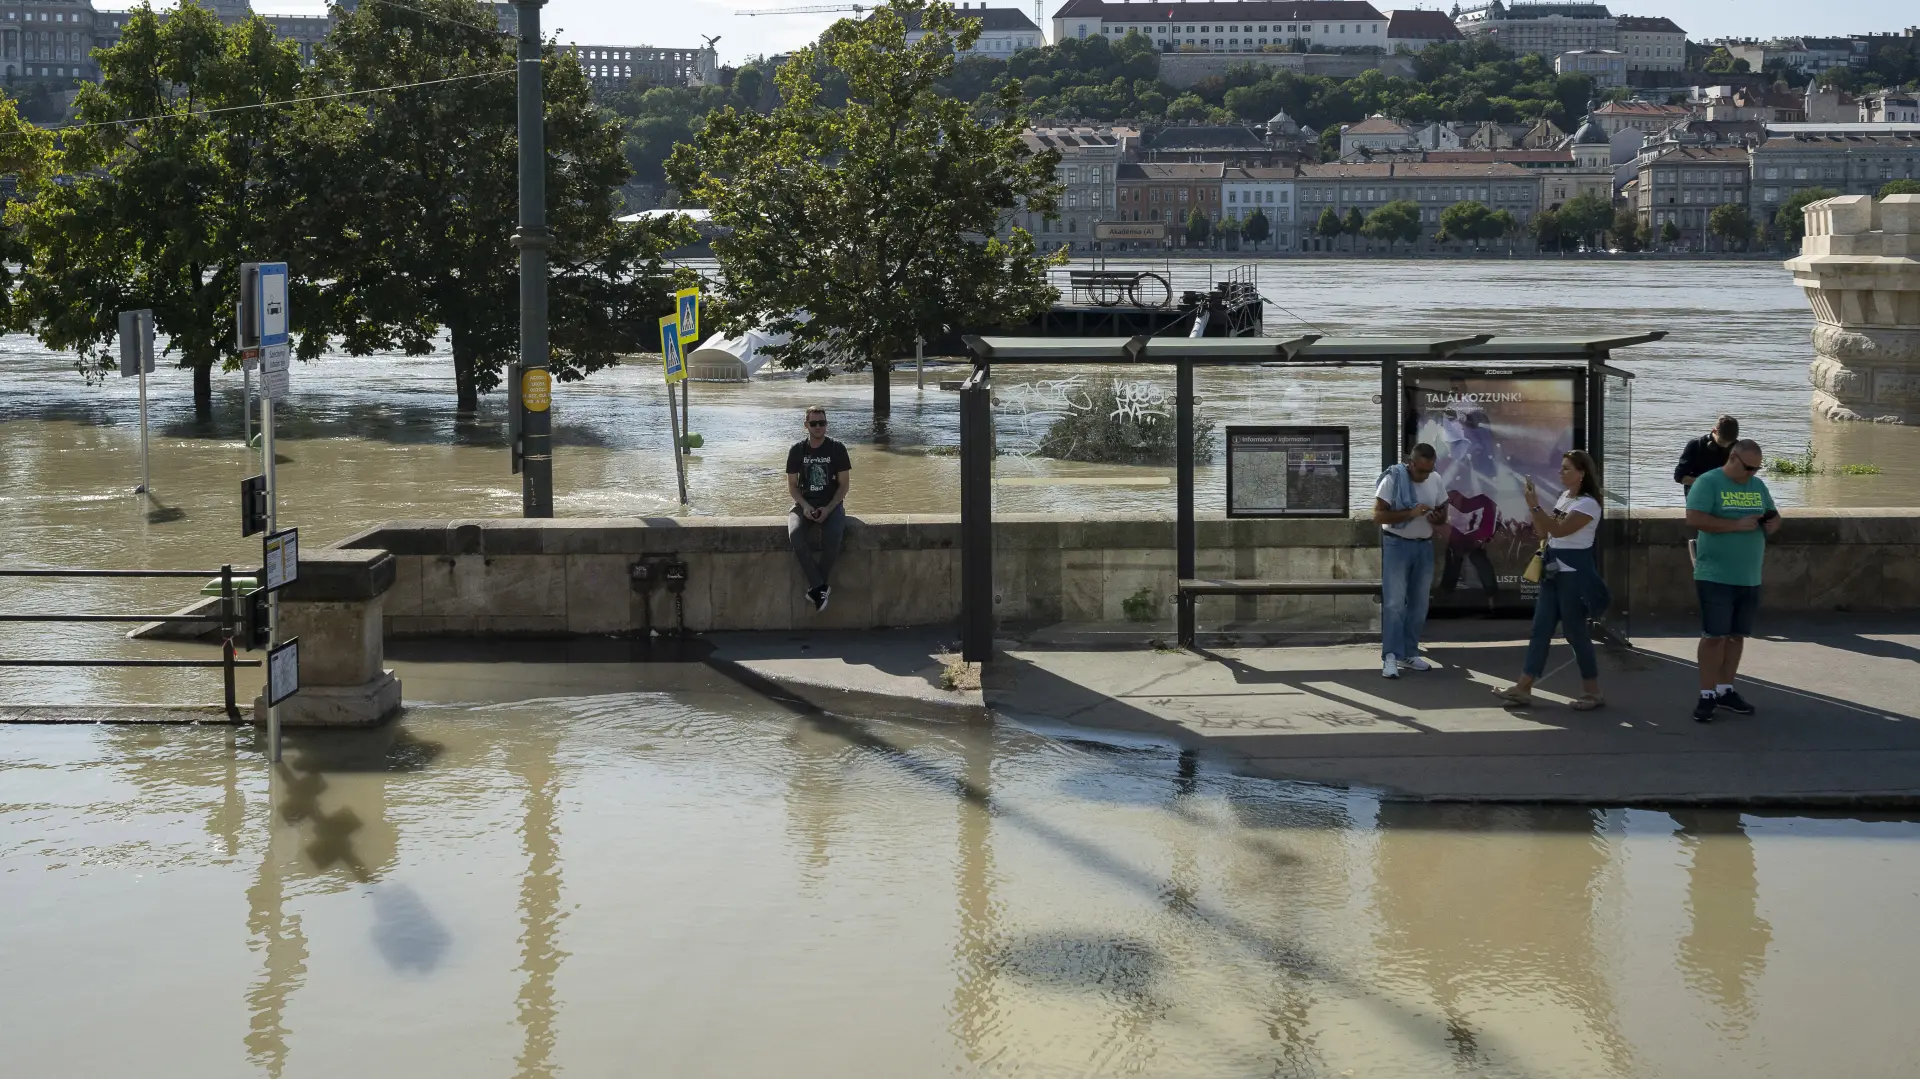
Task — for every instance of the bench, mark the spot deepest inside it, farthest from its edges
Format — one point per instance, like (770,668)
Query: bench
(1105,287)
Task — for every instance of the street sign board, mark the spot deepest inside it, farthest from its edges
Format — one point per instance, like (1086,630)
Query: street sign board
(281,551)
(136,343)
(672,362)
(283,671)
(276,371)
(1131,230)
(253,505)
(536,389)
(688,300)
(274,316)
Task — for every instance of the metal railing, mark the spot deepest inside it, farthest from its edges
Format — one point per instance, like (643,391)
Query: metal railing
(228,621)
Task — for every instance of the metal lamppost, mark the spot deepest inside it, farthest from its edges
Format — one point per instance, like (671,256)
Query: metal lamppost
(530,390)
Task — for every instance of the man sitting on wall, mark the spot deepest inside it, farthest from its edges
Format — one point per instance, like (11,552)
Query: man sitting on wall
(819,475)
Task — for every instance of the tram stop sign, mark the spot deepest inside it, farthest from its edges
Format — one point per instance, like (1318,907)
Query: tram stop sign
(136,343)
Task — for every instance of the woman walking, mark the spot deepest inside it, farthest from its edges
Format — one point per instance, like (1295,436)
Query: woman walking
(1571,591)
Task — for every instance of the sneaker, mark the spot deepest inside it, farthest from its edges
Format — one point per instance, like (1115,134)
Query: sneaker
(825,593)
(817,597)
(1732,701)
(1703,709)
(1389,668)
(1418,663)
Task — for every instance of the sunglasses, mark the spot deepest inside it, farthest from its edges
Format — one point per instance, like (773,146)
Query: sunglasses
(1748,467)
(816,423)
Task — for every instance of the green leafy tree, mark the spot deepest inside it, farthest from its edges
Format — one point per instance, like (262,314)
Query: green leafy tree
(407,229)
(1730,222)
(1501,224)
(1585,217)
(1790,222)
(1396,221)
(1463,222)
(1669,234)
(1352,223)
(1330,143)
(1197,227)
(1230,231)
(1626,230)
(1546,230)
(1899,187)
(1329,226)
(157,210)
(1258,228)
(878,218)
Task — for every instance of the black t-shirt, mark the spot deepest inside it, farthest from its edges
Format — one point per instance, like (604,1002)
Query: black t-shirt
(819,469)
(1701,456)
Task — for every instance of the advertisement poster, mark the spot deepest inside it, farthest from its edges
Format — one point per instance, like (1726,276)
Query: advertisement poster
(1490,432)
(1286,471)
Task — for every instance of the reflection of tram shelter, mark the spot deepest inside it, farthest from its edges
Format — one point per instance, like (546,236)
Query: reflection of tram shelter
(1599,412)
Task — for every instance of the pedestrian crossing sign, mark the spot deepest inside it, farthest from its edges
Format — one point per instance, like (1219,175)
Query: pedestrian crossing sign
(688,301)
(672,362)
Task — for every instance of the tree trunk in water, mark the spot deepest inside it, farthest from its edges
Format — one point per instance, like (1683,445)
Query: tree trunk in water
(882,389)
(464,374)
(203,392)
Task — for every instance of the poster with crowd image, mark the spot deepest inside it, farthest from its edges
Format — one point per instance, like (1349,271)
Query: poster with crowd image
(1490,431)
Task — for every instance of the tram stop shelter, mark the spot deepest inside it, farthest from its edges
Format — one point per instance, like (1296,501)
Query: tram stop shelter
(1583,362)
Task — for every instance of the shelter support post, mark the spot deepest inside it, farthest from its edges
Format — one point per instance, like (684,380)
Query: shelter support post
(1185,537)
(1389,413)
(976,517)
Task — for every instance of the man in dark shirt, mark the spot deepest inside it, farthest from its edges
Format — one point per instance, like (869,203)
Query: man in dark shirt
(1708,452)
(819,474)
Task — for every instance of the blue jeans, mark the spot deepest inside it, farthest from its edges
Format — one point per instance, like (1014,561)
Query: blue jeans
(832,530)
(1563,602)
(1406,577)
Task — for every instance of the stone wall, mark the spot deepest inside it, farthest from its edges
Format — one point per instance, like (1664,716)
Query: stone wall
(1860,267)
(569,577)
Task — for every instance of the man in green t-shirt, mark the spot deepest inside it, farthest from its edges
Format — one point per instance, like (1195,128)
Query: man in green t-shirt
(1734,513)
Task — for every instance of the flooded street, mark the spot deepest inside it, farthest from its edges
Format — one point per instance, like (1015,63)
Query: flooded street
(697,882)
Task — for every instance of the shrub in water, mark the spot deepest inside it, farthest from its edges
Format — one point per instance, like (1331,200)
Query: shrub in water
(1125,423)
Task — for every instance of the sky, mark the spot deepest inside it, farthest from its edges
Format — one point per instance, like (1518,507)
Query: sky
(683,23)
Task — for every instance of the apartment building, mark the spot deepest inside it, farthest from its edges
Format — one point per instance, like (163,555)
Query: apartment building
(1088,173)
(1434,186)
(1230,26)
(1546,29)
(1685,184)
(1003,30)
(1606,67)
(1645,117)
(1847,163)
(1412,31)
(1169,193)
(1652,43)
(1268,190)
(1891,107)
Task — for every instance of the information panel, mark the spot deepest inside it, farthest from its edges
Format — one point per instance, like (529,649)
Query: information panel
(1287,471)
(283,671)
(281,556)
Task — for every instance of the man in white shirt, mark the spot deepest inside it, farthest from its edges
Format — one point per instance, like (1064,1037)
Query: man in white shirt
(1407,504)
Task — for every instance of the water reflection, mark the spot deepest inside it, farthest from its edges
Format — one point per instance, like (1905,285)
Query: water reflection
(531,762)
(1724,953)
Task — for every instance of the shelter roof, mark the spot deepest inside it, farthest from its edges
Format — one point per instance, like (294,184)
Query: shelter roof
(1311,348)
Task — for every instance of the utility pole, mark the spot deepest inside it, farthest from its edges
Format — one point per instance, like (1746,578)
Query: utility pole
(534,389)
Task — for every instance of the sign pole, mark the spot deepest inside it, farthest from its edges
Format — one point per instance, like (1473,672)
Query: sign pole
(273,598)
(536,426)
(146,478)
(919,362)
(136,358)
(686,421)
(679,465)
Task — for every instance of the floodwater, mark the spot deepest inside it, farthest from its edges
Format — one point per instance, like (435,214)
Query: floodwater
(701,882)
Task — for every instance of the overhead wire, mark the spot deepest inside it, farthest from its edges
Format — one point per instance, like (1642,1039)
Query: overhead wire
(285,101)
(442,18)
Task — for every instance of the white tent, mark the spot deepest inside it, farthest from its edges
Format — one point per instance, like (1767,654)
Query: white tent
(732,359)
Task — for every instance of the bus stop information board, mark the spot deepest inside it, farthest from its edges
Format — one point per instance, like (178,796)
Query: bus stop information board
(1287,471)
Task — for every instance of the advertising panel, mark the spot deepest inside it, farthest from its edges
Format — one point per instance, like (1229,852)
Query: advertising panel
(1287,471)
(1490,431)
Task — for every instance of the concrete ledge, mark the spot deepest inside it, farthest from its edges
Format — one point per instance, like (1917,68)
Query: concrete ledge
(335,575)
(336,706)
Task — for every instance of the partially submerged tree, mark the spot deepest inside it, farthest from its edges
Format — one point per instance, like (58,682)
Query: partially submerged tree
(1397,220)
(1257,228)
(856,228)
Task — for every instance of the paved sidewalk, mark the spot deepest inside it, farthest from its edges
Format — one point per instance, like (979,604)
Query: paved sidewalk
(1838,717)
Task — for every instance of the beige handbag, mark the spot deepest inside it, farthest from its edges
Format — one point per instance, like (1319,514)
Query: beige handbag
(1537,568)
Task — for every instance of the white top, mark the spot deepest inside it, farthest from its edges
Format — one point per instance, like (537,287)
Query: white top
(1428,491)
(1565,506)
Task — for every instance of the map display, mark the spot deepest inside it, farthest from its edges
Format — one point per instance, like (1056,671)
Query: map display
(1287,471)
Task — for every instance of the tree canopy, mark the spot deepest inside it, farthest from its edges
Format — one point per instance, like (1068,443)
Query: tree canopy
(857,226)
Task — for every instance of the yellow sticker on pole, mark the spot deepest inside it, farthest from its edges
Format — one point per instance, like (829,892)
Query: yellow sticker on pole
(536,389)
(672,362)
(687,301)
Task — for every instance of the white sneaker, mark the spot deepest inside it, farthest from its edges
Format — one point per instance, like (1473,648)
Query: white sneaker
(825,594)
(1389,668)
(1419,663)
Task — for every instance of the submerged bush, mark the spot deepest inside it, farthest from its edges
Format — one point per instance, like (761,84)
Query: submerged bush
(1125,423)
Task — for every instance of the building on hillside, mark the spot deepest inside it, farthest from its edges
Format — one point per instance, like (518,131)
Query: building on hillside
(1375,133)
(1545,29)
(1593,165)
(1642,116)
(1848,164)
(1827,105)
(1432,185)
(1412,31)
(1088,173)
(1003,30)
(1739,103)
(1169,193)
(1606,67)
(1890,107)
(1228,25)
(1684,185)
(1268,190)
(616,67)
(1542,134)
(1224,144)
(1652,44)
(1436,136)
(1807,55)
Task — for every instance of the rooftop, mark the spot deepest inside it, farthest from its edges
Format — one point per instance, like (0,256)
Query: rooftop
(1704,155)
(1376,125)
(990,18)
(1648,24)
(1169,171)
(1422,26)
(1270,10)
(1413,170)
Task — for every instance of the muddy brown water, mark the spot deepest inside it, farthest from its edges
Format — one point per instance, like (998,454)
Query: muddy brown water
(696,882)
